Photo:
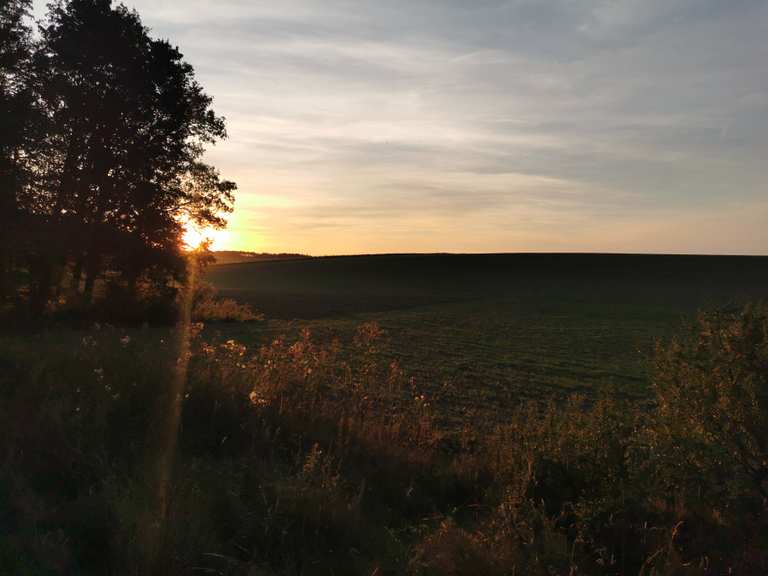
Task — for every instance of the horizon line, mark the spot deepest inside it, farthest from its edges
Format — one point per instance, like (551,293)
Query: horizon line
(509,253)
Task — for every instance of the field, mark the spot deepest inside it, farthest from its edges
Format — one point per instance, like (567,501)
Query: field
(138,449)
(491,329)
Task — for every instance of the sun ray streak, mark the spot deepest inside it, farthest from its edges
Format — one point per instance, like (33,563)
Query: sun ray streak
(153,531)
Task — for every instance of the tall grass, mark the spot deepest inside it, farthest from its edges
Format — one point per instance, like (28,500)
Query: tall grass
(308,457)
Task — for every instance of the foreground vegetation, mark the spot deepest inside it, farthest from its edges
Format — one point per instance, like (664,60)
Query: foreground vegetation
(318,457)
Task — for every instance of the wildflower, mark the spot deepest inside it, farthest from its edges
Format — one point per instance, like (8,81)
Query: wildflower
(257,400)
(234,347)
(125,340)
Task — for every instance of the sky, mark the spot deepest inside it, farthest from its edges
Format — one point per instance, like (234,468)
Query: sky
(485,125)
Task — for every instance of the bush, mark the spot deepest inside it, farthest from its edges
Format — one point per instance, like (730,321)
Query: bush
(602,487)
(208,308)
(320,457)
(712,394)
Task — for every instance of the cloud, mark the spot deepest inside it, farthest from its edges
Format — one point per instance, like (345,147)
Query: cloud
(487,125)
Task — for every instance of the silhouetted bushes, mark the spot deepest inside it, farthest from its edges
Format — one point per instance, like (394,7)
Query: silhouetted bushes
(318,458)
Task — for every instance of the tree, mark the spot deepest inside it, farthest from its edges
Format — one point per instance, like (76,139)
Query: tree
(119,165)
(15,108)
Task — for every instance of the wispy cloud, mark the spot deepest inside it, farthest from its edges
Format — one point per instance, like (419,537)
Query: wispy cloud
(490,125)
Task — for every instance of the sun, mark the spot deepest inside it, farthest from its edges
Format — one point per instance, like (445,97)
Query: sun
(194,237)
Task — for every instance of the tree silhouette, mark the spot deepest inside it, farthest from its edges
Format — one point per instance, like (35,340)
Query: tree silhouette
(118,164)
(15,108)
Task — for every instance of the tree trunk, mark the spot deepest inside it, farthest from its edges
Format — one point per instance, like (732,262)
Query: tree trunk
(5,272)
(77,275)
(90,279)
(92,271)
(42,271)
(6,259)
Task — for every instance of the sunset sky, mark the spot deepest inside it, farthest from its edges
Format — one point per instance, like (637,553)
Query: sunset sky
(485,126)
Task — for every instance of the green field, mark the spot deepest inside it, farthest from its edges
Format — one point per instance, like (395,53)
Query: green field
(490,329)
(303,457)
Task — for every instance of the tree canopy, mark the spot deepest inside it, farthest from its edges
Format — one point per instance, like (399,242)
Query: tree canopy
(114,167)
(15,104)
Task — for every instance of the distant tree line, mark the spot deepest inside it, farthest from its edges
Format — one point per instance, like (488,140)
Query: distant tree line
(235,256)
(102,135)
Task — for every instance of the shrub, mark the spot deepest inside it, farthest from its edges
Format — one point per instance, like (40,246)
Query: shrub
(321,457)
(452,551)
(712,394)
(208,308)
(707,445)
(603,487)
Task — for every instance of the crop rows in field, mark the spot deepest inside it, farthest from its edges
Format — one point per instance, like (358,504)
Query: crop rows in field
(486,330)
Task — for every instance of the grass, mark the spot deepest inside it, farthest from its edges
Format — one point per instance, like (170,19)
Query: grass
(497,328)
(309,456)
(540,431)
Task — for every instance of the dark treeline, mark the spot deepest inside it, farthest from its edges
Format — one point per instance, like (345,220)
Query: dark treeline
(235,256)
(102,135)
